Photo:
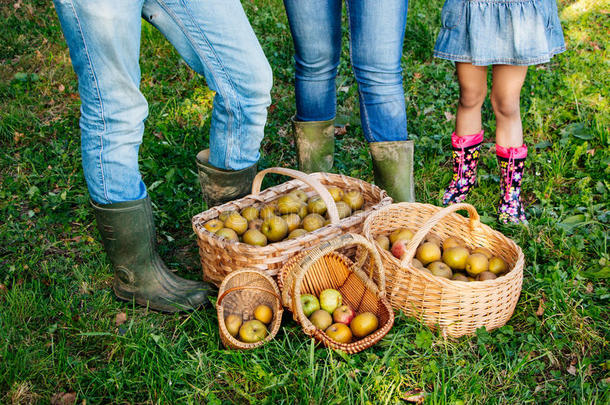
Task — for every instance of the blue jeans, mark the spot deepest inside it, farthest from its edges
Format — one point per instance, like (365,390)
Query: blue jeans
(213,36)
(377,30)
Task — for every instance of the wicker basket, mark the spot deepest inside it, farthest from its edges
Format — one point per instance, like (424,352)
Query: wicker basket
(458,308)
(219,257)
(362,285)
(240,293)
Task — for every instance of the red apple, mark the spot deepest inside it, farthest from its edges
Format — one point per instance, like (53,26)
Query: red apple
(399,248)
(343,314)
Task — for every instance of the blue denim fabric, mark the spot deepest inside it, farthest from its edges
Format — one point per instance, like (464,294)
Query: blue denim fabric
(377,31)
(213,36)
(489,32)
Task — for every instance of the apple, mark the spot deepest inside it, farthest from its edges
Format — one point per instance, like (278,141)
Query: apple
(252,331)
(399,248)
(339,332)
(213,225)
(330,300)
(274,228)
(364,324)
(309,303)
(263,313)
(343,314)
(233,322)
(321,319)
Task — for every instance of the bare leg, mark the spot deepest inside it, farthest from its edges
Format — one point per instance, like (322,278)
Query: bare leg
(473,89)
(505,97)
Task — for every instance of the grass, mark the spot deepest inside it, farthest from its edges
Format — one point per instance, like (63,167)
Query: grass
(58,335)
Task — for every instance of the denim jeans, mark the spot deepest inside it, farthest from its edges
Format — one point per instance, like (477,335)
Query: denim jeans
(213,36)
(377,30)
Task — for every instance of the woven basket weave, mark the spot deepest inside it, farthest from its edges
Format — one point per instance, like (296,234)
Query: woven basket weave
(219,257)
(362,285)
(239,294)
(458,308)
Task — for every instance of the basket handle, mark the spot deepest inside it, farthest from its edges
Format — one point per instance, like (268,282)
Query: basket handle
(328,247)
(431,223)
(309,180)
(245,287)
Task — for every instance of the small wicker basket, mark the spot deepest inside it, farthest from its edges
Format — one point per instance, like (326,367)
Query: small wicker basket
(239,294)
(362,285)
(458,308)
(219,257)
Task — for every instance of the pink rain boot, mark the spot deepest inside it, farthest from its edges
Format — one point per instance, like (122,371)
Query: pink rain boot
(465,160)
(512,163)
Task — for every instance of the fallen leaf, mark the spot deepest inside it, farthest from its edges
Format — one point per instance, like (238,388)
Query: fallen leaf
(17,5)
(449,116)
(17,137)
(61,87)
(591,152)
(3,288)
(120,318)
(540,310)
(589,288)
(64,398)
(271,108)
(340,130)
(417,396)
(158,135)
(417,75)
(571,370)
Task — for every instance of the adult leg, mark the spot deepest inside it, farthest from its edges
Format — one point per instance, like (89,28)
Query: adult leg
(104,45)
(216,40)
(510,149)
(316,32)
(376,37)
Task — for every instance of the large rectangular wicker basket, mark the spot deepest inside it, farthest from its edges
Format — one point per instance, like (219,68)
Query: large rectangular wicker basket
(219,257)
(457,308)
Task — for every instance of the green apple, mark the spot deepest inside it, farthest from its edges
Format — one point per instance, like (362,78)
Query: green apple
(330,300)
(252,331)
(321,319)
(309,303)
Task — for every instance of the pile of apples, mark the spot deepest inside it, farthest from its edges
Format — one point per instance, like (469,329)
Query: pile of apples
(338,321)
(251,331)
(449,258)
(290,216)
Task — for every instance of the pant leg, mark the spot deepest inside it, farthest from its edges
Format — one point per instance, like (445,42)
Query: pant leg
(316,32)
(377,30)
(104,42)
(215,38)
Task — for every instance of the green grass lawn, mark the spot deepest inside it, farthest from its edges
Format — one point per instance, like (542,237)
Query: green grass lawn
(58,329)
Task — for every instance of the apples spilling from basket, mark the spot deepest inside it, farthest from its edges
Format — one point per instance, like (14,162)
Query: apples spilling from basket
(288,217)
(337,320)
(450,258)
(251,331)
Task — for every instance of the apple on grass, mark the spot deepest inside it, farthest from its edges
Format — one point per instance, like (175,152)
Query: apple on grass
(309,303)
(330,300)
(344,314)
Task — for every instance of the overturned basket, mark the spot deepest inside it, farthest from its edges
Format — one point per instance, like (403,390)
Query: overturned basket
(458,308)
(239,294)
(362,285)
(219,257)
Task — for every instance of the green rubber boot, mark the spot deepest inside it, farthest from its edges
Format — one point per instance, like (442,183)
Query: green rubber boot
(315,141)
(393,168)
(128,235)
(220,186)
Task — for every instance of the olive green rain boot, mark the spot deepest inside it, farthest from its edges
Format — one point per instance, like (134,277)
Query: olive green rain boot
(315,142)
(393,168)
(220,186)
(128,235)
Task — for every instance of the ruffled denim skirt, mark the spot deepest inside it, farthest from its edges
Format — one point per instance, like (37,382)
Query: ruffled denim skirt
(494,32)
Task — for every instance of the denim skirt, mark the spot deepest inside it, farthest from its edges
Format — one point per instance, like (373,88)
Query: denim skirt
(499,32)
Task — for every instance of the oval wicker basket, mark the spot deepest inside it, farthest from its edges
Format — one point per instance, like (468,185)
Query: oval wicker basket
(239,294)
(362,285)
(458,308)
(219,257)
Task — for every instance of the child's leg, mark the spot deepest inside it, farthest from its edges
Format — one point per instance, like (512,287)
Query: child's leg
(505,92)
(505,96)
(468,135)
(473,90)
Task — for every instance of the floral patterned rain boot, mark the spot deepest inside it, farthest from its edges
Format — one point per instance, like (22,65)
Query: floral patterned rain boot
(465,160)
(512,163)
